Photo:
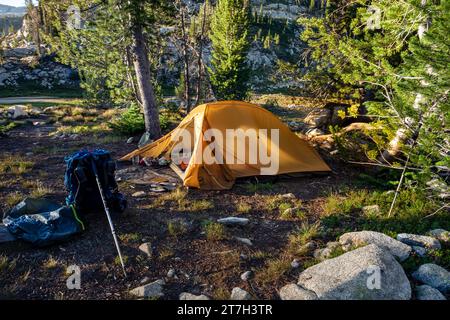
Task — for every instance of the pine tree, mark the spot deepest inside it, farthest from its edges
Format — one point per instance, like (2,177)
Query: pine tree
(393,57)
(229,72)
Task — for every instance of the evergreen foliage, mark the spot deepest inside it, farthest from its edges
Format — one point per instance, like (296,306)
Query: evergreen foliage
(229,72)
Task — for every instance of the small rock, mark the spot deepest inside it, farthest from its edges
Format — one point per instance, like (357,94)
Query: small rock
(295,292)
(144,280)
(295,264)
(418,240)
(151,290)
(425,292)
(130,140)
(395,247)
(146,248)
(288,196)
(333,245)
(243,256)
(29,154)
(233,221)
(371,210)
(308,247)
(171,273)
(138,194)
(190,296)
(434,276)
(19,111)
(244,241)
(247,275)
(440,234)
(240,294)
(420,251)
(322,254)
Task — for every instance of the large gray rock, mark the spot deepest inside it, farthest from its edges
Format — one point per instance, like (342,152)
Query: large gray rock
(190,296)
(395,247)
(434,276)
(425,292)
(151,290)
(418,240)
(240,294)
(355,274)
(295,292)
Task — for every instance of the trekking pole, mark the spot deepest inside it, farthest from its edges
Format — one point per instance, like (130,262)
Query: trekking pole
(111,225)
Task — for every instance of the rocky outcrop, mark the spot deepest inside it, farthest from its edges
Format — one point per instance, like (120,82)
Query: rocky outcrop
(418,240)
(395,247)
(369,272)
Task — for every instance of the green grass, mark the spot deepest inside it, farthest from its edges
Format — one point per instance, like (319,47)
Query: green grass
(302,235)
(176,228)
(273,270)
(214,231)
(342,212)
(13,164)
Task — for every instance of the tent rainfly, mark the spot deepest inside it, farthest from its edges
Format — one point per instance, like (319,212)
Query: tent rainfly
(221,141)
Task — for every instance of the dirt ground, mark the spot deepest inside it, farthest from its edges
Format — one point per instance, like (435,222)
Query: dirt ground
(202,265)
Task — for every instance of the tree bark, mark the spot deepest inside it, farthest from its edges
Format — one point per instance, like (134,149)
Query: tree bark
(187,80)
(146,92)
(199,58)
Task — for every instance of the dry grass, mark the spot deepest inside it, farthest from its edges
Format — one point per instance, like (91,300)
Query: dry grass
(50,263)
(176,228)
(40,190)
(221,293)
(243,207)
(129,237)
(13,198)
(302,235)
(14,164)
(166,253)
(273,270)
(214,231)
(178,199)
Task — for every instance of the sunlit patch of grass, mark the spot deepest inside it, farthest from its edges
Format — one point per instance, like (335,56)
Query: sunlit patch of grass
(129,237)
(50,263)
(117,260)
(196,205)
(221,293)
(25,276)
(6,264)
(214,231)
(13,198)
(302,235)
(243,207)
(259,255)
(14,164)
(178,198)
(40,190)
(166,253)
(84,129)
(273,270)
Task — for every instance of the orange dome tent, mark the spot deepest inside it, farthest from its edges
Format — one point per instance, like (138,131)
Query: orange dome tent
(221,141)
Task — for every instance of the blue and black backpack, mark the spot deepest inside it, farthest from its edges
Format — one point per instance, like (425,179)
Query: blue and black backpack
(81,184)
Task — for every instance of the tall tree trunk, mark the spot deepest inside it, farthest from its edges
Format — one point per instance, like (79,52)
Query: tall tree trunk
(199,58)
(187,95)
(146,92)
